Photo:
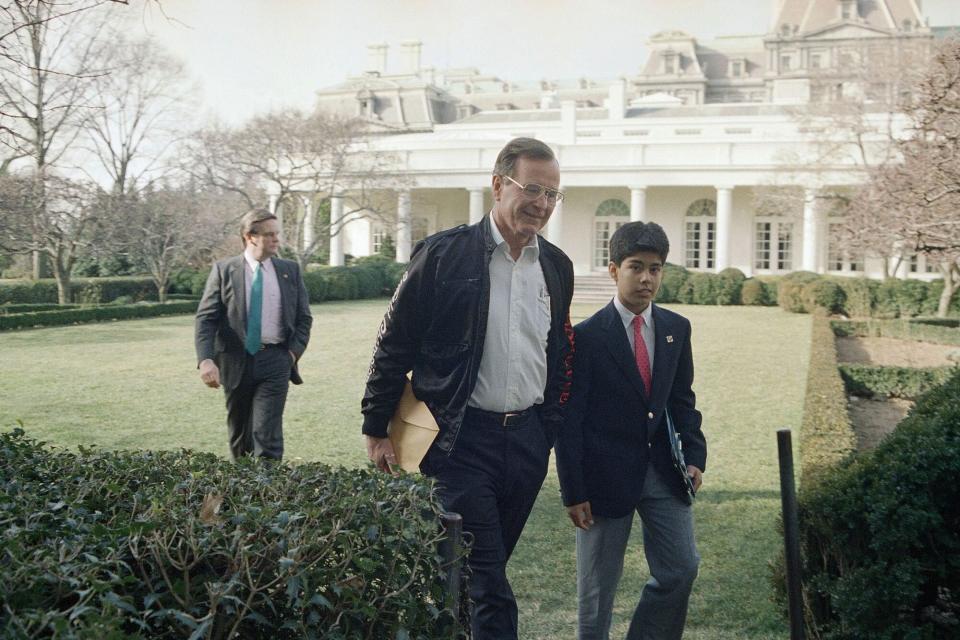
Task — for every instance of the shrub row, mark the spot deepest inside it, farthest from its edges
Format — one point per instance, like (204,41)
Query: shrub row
(826,435)
(56,318)
(368,277)
(891,382)
(806,292)
(913,329)
(40,306)
(729,287)
(186,545)
(83,290)
(880,534)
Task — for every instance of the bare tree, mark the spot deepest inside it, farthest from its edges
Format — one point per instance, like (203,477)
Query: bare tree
(913,203)
(291,155)
(170,227)
(55,218)
(139,105)
(47,68)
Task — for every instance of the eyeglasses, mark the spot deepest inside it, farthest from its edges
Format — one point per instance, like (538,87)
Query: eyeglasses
(533,190)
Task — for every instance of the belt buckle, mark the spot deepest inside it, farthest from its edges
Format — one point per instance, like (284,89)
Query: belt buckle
(507,419)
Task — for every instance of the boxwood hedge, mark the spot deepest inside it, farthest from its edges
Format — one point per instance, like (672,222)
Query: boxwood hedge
(179,544)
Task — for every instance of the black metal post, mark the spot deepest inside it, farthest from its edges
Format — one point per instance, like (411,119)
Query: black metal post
(451,551)
(791,534)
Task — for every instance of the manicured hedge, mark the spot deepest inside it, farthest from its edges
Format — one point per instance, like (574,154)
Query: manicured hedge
(370,277)
(806,292)
(94,314)
(826,435)
(40,306)
(913,329)
(891,382)
(179,544)
(880,534)
(83,290)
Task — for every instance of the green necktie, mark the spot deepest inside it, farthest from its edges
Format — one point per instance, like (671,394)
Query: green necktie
(256,309)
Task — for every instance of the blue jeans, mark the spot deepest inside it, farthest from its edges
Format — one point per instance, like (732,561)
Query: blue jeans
(671,553)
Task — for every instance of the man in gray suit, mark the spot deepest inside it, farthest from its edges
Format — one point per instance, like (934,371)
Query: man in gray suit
(252,326)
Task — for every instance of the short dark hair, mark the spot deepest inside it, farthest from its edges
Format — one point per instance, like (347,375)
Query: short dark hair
(249,222)
(634,237)
(521,148)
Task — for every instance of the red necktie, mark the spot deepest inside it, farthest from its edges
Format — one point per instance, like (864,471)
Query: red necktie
(641,354)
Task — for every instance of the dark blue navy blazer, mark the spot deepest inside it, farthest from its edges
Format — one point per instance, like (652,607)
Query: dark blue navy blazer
(612,430)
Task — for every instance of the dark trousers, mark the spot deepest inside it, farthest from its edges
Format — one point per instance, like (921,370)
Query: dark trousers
(492,479)
(255,405)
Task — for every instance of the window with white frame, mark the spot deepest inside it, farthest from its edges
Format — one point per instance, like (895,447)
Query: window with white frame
(670,62)
(773,244)
(838,257)
(419,229)
(786,61)
(611,215)
(848,9)
(700,230)
(919,263)
(377,237)
(737,67)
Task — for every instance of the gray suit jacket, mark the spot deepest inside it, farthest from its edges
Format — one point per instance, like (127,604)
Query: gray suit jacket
(221,322)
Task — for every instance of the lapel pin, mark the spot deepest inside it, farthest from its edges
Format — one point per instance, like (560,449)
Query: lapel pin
(669,338)
(285,275)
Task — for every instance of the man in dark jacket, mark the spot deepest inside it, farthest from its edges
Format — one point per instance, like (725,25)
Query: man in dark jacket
(481,318)
(252,325)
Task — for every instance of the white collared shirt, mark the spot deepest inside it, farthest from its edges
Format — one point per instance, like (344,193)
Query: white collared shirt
(271,319)
(627,317)
(513,367)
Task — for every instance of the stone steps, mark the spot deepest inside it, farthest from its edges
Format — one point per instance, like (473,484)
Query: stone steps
(593,289)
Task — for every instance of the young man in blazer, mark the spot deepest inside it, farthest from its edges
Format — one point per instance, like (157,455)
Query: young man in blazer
(252,326)
(632,363)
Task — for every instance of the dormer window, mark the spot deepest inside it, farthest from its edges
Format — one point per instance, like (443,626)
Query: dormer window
(671,62)
(786,62)
(848,9)
(738,68)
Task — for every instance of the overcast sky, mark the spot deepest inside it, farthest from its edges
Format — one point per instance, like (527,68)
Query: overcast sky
(249,56)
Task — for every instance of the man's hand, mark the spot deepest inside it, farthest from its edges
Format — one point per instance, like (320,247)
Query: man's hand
(380,451)
(210,374)
(696,475)
(581,515)
(293,357)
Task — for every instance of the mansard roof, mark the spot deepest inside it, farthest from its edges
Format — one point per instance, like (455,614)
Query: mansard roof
(802,17)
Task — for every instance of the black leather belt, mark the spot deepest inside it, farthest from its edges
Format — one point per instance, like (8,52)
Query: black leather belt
(494,418)
(272,345)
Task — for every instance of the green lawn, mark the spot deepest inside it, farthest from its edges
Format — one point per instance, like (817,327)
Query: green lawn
(133,384)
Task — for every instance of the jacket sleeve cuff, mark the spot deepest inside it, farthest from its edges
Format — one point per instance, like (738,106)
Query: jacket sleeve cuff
(375,425)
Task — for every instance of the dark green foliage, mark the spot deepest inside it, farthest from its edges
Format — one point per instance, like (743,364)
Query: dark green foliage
(758,293)
(367,277)
(40,306)
(729,284)
(885,301)
(673,278)
(860,294)
(881,533)
(910,296)
(823,296)
(74,315)
(826,436)
(186,545)
(84,290)
(188,281)
(699,288)
(898,382)
(927,330)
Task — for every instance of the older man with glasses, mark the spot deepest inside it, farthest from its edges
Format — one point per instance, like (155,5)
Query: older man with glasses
(481,318)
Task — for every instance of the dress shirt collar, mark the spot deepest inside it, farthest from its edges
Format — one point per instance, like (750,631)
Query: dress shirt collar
(627,316)
(248,256)
(533,246)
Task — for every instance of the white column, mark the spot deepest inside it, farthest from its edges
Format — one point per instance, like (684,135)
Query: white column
(476,205)
(277,211)
(638,204)
(336,231)
(811,232)
(724,214)
(403,226)
(308,223)
(555,225)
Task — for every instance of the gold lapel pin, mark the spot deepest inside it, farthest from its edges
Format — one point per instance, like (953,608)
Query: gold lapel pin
(669,338)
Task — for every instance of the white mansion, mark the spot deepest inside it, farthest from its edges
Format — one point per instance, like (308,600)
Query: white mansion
(689,141)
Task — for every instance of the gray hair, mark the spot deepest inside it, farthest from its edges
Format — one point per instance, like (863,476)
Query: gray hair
(521,148)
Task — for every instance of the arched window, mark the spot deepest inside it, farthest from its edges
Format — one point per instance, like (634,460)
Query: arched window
(611,215)
(700,230)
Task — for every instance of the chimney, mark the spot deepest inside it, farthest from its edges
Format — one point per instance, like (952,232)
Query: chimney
(617,101)
(410,56)
(377,58)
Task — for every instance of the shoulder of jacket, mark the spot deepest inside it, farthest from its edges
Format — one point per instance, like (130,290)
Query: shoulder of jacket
(554,252)
(441,239)
(673,316)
